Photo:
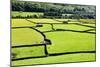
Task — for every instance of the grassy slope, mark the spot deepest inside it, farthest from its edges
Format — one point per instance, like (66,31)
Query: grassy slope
(66,19)
(21,23)
(25,36)
(44,21)
(71,27)
(46,27)
(73,41)
(28,52)
(88,20)
(70,42)
(90,24)
(57,59)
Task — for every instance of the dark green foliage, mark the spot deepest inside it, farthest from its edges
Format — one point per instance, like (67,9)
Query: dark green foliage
(52,14)
(65,22)
(54,10)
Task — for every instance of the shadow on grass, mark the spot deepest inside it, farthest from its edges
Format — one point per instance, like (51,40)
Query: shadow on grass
(54,54)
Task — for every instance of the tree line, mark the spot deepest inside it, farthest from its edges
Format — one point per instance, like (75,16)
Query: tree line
(54,9)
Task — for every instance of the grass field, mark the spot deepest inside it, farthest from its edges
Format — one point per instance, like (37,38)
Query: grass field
(88,20)
(83,57)
(69,40)
(21,23)
(28,51)
(25,36)
(44,21)
(76,38)
(25,14)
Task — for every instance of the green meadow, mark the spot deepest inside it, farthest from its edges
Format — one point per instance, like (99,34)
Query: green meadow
(25,36)
(72,37)
(81,57)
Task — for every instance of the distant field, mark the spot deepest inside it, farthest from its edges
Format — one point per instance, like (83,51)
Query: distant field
(25,14)
(64,38)
(44,21)
(46,27)
(67,20)
(21,23)
(90,24)
(88,20)
(71,27)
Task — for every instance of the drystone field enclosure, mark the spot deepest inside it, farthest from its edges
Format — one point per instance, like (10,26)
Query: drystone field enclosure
(46,38)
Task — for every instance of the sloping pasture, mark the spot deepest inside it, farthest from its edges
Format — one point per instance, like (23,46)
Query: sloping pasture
(70,42)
